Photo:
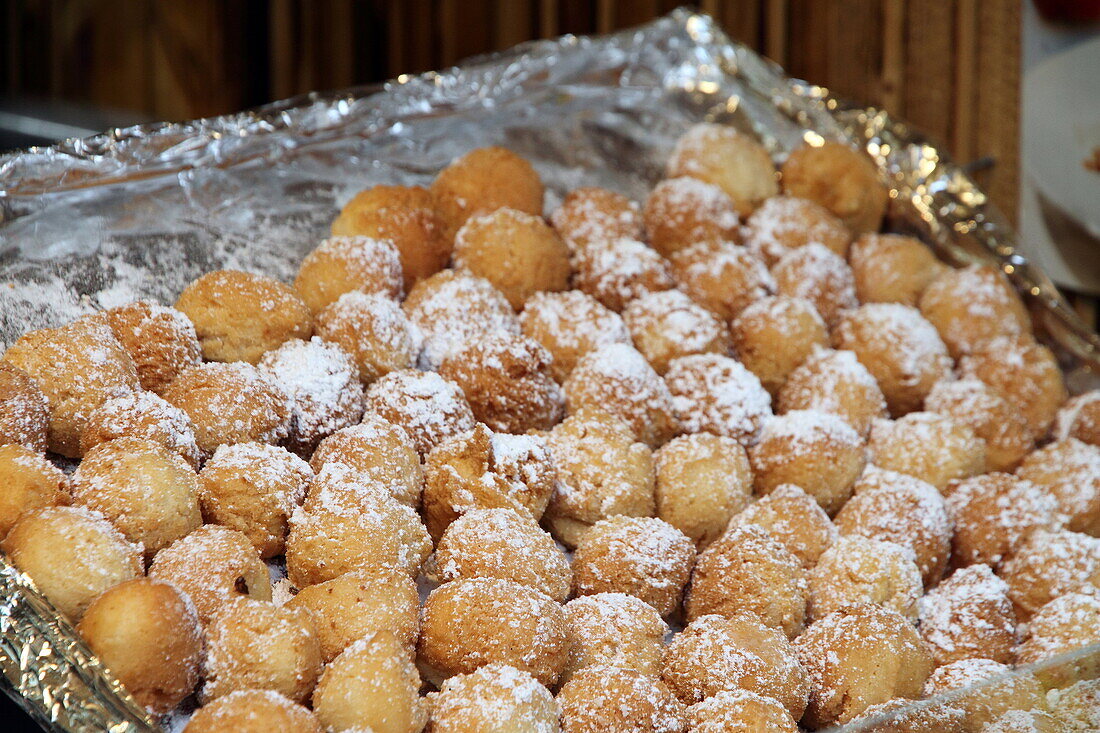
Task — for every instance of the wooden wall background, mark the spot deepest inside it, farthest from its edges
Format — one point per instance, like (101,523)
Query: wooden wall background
(949,66)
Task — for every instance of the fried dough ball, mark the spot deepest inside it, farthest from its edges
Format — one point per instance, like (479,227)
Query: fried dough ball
(993,419)
(322,381)
(641,556)
(892,268)
(747,571)
(1069,622)
(377,451)
(837,650)
(1024,721)
(929,446)
(618,380)
(834,382)
(495,697)
(819,275)
(253,711)
(256,645)
(616,271)
(814,450)
(989,701)
(518,253)
(144,415)
(72,555)
(900,508)
(161,341)
(972,306)
(480,469)
(783,223)
(680,212)
(147,491)
(1077,705)
(469,623)
(702,480)
(483,180)
(734,162)
(794,519)
(1024,373)
(28,481)
(254,488)
(231,403)
(739,711)
(910,716)
(402,215)
(968,616)
(373,330)
(358,604)
(428,407)
(858,569)
(722,277)
(592,214)
(77,367)
(668,325)
(24,411)
(614,629)
(717,394)
(715,654)
(994,513)
(776,334)
(843,180)
(569,325)
(147,634)
(1079,418)
(603,471)
(1070,471)
(599,699)
(1050,564)
(238,315)
(900,348)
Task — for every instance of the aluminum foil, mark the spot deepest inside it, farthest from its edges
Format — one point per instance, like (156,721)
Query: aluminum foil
(139,212)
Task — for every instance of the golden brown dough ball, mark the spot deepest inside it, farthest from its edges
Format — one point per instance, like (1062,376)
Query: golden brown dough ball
(592,214)
(714,654)
(892,268)
(256,645)
(857,569)
(746,571)
(989,701)
(24,411)
(819,275)
(72,555)
(702,480)
(843,180)
(1069,622)
(968,616)
(569,325)
(213,565)
(837,383)
(253,711)
(253,488)
(377,451)
(482,180)
(360,603)
(1078,704)
(238,315)
(609,698)
(680,212)
(518,253)
(900,508)
(144,415)
(717,394)
(616,271)
(147,491)
(734,162)
(995,420)
(28,481)
(1024,721)
(932,447)
(618,380)
(794,519)
(231,403)
(972,306)
(641,556)
(614,629)
(1079,418)
(837,650)
(77,366)
(428,407)
(1049,564)
(1070,471)
(722,277)
(776,334)
(739,711)
(783,223)
(373,330)
(1024,373)
(161,341)
(668,325)
(814,450)
(147,634)
(994,513)
(481,469)
(404,216)
(495,697)
(466,624)
(910,716)
(603,471)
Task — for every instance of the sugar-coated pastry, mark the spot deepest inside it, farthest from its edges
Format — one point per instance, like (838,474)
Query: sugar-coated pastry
(161,341)
(1079,418)
(681,212)
(253,711)
(717,394)
(1076,705)
(1068,622)
(142,414)
(24,411)
(972,306)
(839,178)
(776,334)
(739,711)
(819,275)
(483,180)
(783,223)
(610,698)
(834,382)
(794,519)
(994,420)
(734,162)
(569,325)
(427,406)
(591,214)
(613,629)
(857,569)
(28,481)
(496,697)
(668,325)
(987,702)
(929,446)
(1070,470)
(373,330)
(967,616)
(1047,565)
(722,277)
(1024,721)
(616,271)
(377,451)
(892,268)
(994,513)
